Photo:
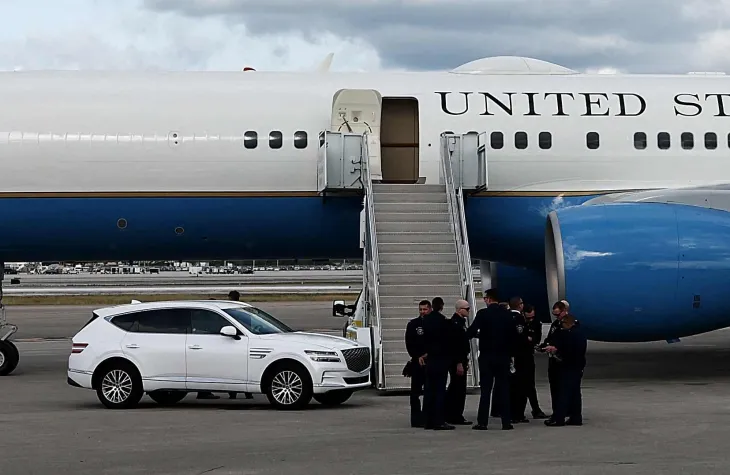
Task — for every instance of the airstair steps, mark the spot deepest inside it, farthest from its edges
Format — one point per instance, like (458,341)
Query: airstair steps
(413,227)
(379,188)
(414,237)
(400,207)
(409,217)
(386,197)
(405,279)
(432,258)
(418,268)
(421,248)
(448,287)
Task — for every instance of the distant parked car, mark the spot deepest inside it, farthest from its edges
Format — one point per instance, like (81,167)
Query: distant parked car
(167,349)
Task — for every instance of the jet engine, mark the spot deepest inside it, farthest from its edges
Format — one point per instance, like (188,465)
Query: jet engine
(642,270)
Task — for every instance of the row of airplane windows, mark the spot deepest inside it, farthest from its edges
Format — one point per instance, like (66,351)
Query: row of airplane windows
(496,140)
(593,140)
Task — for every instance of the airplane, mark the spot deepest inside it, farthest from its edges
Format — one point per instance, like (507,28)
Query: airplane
(608,190)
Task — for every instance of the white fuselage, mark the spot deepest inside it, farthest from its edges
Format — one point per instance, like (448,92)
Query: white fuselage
(93,132)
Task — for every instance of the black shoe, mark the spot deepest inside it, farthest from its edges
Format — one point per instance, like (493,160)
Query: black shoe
(479,427)
(571,423)
(231,395)
(249,395)
(444,426)
(508,427)
(554,423)
(539,415)
(461,422)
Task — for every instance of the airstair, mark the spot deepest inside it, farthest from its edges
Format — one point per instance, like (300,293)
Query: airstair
(414,240)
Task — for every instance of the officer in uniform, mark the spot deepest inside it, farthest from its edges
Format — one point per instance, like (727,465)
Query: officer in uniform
(570,346)
(559,311)
(523,355)
(497,336)
(534,332)
(456,392)
(439,356)
(416,347)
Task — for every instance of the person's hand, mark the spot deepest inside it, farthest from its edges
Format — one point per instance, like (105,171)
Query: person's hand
(460,369)
(551,349)
(422,361)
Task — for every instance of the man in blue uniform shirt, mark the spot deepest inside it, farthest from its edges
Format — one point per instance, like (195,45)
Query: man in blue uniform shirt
(416,347)
(497,337)
(439,355)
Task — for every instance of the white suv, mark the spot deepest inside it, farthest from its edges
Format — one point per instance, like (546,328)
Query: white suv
(167,349)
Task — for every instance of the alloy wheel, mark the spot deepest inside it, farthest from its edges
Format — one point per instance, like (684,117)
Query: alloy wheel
(117,386)
(287,387)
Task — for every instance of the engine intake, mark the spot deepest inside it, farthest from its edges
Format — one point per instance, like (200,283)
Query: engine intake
(640,271)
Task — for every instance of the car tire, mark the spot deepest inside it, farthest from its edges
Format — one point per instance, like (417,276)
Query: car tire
(9,357)
(289,387)
(120,386)
(333,398)
(167,398)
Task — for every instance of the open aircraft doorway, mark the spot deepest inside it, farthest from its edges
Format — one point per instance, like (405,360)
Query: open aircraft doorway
(399,140)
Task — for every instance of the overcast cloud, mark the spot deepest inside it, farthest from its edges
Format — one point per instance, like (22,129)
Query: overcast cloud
(624,35)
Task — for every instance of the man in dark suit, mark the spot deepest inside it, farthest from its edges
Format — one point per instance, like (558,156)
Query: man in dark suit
(497,336)
(569,344)
(439,354)
(415,369)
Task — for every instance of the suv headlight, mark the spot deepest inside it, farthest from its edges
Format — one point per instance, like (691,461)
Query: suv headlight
(323,356)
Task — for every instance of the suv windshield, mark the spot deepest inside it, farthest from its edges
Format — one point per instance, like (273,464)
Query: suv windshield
(257,321)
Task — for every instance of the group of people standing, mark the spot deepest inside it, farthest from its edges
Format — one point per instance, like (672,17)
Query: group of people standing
(508,336)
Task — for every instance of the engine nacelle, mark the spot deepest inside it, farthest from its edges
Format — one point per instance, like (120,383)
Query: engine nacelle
(640,271)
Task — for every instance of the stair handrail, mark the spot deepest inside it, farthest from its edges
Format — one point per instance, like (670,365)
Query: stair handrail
(371,245)
(455,199)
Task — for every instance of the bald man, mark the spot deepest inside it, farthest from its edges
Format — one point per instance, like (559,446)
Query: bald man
(456,392)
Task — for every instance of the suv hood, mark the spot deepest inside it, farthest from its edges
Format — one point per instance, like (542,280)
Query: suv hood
(314,339)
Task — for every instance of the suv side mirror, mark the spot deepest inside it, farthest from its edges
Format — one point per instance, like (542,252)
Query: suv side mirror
(338,308)
(231,332)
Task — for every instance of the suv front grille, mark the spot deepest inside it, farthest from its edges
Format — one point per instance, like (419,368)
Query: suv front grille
(357,359)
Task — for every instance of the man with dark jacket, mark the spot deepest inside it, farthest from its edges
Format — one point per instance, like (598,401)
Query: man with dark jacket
(439,355)
(497,335)
(523,355)
(569,345)
(456,392)
(534,331)
(416,347)
(559,311)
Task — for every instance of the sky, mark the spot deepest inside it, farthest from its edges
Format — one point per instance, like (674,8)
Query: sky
(640,36)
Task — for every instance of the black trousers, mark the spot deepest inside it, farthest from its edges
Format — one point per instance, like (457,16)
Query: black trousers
(554,371)
(571,401)
(530,386)
(418,379)
(494,373)
(434,396)
(519,385)
(455,395)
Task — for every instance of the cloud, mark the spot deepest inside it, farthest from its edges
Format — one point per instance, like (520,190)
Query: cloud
(590,35)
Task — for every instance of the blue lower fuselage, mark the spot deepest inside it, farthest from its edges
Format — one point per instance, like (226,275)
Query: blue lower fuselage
(501,229)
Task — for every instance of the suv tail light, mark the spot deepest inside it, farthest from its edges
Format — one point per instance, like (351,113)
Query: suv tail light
(78,347)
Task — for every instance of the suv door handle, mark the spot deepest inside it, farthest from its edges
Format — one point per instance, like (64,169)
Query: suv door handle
(195,347)
(133,345)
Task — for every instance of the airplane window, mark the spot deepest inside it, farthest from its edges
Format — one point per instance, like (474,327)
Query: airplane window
(545,140)
(592,140)
(250,139)
(663,140)
(710,140)
(687,140)
(300,139)
(276,139)
(496,140)
(521,140)
(640,141)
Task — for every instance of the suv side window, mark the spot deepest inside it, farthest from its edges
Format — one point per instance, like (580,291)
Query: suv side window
(127,322)
(167,321)
(205,322)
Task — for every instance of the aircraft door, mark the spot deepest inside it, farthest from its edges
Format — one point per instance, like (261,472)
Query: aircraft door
(358,111)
